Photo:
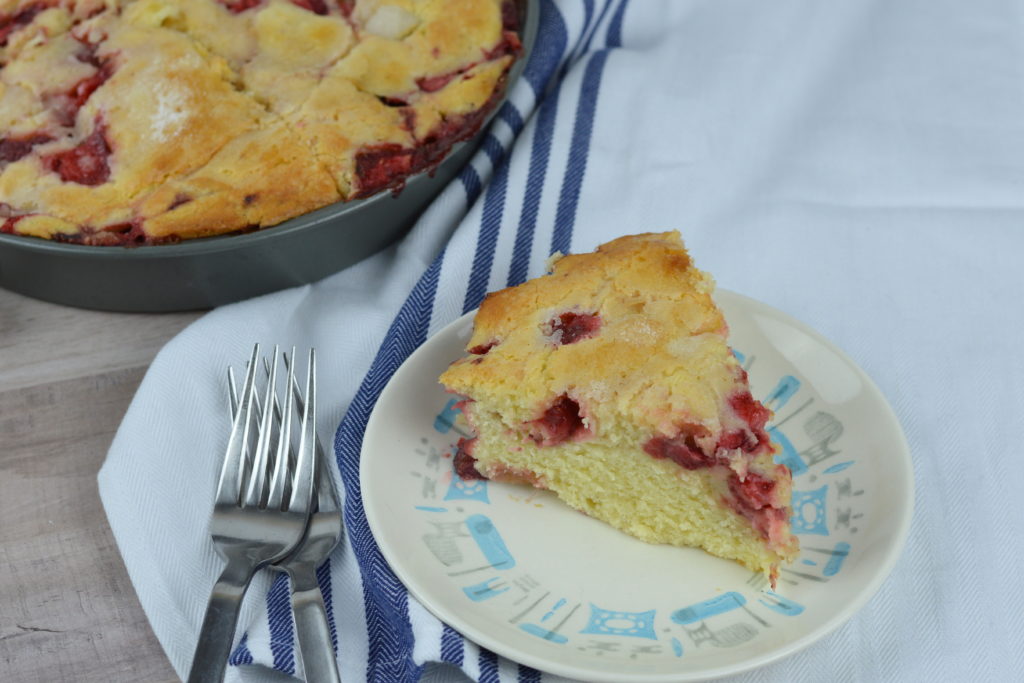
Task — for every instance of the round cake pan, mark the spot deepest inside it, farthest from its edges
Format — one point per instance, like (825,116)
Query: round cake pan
(207,272)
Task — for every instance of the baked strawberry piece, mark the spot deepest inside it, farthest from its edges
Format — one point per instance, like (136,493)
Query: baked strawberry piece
(610,382)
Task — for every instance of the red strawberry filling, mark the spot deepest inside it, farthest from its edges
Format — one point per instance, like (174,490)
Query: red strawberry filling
(130,233)
(569,328)
(457,127)
(754,438)
(12,149)
(753,492)
(237,6)
(384,166)
(9,23)
(66,105)
(126,234)
(464,462)
(509,16)
(9,223)
(561,422)
(314,6)
(435,83)
(751,410)
(379,166)
(179,199)
(684,450)
(87,52)
(482,349)
(509,45)
(681,449)
(392,101)
(85,164)
(752,497)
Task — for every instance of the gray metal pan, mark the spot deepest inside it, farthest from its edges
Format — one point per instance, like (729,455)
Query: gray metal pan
(208,272)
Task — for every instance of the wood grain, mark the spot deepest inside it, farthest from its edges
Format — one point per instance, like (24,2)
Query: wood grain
(45,342)
(68,611)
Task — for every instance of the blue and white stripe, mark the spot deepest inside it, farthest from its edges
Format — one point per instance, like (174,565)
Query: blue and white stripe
(513,205)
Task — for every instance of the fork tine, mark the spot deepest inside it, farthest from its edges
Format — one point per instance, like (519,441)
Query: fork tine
(229,486)
(283,463)
(232,394)
(257,417)
(323,483)
(261,465)
(305,466)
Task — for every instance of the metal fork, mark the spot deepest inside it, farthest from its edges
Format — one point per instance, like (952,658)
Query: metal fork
(262,507)
(323,533)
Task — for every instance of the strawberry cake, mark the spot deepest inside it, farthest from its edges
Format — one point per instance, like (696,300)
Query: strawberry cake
(609,381)
(151,121)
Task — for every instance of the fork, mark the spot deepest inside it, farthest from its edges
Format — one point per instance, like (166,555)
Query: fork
(262,507)
(323,533)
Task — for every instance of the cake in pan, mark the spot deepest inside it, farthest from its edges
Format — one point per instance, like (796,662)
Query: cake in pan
(154,121)
(609,381)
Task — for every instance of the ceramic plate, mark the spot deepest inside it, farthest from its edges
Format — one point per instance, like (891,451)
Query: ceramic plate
(518,572)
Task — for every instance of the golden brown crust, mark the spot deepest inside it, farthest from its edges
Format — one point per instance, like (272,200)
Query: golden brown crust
(657,316)
(155,120)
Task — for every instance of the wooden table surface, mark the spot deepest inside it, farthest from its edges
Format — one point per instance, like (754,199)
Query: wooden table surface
(67,609)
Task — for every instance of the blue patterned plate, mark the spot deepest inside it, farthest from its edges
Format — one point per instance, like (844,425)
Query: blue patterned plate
(518,572)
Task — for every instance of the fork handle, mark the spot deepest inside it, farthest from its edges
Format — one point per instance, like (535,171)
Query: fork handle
(210,660)
(311,627)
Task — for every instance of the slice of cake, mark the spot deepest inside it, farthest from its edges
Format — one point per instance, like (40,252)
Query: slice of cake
(610,382)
